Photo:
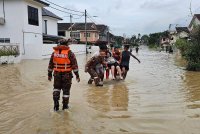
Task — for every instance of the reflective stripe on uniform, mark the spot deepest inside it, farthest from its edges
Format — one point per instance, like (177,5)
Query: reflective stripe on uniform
(58,90)
(75,70)
(65,96)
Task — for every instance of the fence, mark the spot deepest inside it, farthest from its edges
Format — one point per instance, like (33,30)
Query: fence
(7,49)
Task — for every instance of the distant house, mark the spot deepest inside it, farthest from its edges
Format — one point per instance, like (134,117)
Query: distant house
(77,31)
(103,33)
(165,41)
(49,26)
(182,32)
(26,23)
(194,22)
(64,29)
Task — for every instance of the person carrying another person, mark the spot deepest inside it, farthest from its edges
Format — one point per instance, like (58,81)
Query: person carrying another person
(91,65)
(126,60)
(99,67)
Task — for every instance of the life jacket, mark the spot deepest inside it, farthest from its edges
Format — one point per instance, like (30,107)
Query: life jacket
(61,59)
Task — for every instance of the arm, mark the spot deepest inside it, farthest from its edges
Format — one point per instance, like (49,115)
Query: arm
(134,57)
(50,67)
(120,60)
(74,64)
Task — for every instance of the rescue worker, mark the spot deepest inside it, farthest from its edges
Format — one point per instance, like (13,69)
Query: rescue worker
(90,67)
(126,60)
(100,67)
(62,63)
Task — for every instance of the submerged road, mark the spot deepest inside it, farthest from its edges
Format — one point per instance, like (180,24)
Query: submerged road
(158,97)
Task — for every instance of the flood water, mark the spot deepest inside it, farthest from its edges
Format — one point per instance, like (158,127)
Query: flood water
(158,97)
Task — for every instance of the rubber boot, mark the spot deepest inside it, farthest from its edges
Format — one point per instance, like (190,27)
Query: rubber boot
(90,81)
(65,103)
(56,105)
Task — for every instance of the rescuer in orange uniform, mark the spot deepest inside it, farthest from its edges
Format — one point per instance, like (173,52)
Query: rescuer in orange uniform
(62,63)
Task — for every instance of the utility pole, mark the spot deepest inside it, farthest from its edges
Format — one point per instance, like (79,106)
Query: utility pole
(86,31)
(108,37)
(71,26)
(191,8)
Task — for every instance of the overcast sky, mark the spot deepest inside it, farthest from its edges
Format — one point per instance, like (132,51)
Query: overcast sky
(132,16)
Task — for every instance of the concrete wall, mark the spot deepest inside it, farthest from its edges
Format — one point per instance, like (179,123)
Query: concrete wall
(47,49)
(52,27)
(14,18)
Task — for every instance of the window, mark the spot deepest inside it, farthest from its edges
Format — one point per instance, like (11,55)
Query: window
(33,16)
(75,35)
(61,33)
(4,40)
(88,34)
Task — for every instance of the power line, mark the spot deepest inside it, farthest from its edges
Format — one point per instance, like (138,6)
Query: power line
(90,17)
(64,7)
(65,11)
(79,17)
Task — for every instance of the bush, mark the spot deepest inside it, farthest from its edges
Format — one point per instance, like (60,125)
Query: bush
(193,66)
(182,45)
(152,46)
(8,53)
(190,50)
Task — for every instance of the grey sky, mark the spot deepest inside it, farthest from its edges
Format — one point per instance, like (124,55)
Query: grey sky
(133,16)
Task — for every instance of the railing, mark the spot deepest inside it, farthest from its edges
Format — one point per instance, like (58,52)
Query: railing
(7,49)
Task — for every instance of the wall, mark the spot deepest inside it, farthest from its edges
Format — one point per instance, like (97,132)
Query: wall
(33,38)
(92,37)
(52,27)
(47,49)
(14,21)
(67,34)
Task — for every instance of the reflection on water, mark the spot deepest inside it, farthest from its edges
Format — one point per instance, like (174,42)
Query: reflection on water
(113,97)
(158,97)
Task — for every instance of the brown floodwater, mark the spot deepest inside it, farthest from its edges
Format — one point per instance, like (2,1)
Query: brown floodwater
(158,97)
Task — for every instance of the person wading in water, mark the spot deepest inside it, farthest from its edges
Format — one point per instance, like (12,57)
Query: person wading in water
(126,60)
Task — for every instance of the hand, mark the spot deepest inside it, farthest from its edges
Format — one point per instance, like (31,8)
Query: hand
(49,78)
(139,61)
(77,79)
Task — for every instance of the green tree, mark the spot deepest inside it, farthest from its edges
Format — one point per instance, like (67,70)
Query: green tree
(192,54)
(182,45)
(145,39)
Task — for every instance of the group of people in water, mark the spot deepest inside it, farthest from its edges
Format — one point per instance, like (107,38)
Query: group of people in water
(105,60)
(63,62)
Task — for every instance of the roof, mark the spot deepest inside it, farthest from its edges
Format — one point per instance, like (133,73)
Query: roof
(101,28)
(42,2)
(197,16)
(64,26)
(81,26)
(46,12)
(192,21)
(76,26)
(181,29)
(47,37)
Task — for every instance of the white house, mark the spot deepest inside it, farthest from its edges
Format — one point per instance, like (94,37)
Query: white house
(194,22)
(182,32)
(27,23)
